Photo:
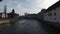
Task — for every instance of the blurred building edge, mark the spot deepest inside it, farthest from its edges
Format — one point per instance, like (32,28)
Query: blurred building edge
(30,16)
(8,15)
(40,15)
(52,14)
(1,0)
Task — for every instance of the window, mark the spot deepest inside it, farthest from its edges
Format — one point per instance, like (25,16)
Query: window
(54,13)
(51,18)
(54,8)
(50,14)
(54,18)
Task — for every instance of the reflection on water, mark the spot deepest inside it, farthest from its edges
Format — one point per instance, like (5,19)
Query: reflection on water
(27,26)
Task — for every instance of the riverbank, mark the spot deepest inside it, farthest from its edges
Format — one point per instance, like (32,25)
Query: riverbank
(53,24)
(7,21)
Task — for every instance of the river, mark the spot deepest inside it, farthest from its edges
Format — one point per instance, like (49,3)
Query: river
(28,26)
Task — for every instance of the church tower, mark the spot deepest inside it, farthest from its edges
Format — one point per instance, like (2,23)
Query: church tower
(5,8)
(4,15)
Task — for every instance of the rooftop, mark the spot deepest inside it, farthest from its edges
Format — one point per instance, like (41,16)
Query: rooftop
(54,6)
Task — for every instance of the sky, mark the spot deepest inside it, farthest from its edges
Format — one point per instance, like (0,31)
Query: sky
(26,6)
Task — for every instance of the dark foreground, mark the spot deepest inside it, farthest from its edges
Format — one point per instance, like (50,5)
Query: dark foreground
(28,26)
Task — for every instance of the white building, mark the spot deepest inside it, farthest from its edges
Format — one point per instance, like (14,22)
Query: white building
(4,14)
(52,14)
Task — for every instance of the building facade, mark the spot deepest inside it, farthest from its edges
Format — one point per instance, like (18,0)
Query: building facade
(52,14)
(40,15)
(12,14)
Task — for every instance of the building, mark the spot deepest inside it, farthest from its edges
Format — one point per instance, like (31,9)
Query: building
(0,15)
(30,16)
(40,15)
(52,14)
(5,15)
(12,14)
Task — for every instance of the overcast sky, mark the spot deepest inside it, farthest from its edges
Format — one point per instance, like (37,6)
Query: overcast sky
(26,6)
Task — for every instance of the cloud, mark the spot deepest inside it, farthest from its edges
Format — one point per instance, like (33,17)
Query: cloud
(48,3)
(23,6)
